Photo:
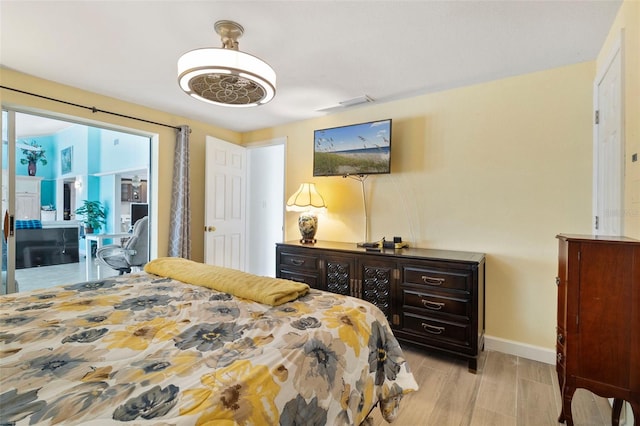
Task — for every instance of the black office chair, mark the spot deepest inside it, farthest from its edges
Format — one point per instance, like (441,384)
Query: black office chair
(134,253)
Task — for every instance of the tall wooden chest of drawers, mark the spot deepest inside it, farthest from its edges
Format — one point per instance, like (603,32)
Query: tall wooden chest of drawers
(432,298)
(598,332)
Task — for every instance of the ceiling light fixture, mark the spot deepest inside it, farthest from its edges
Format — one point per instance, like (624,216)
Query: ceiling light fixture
(225,76)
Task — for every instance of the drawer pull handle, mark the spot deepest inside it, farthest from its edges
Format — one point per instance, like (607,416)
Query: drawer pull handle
(432,280)
(298,279)
(436,306)
(297,262)
(432,328)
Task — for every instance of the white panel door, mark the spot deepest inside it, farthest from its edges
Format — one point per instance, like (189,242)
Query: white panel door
(609,149)
(225,202)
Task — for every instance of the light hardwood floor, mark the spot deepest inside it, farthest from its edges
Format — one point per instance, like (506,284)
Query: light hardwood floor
(507,391)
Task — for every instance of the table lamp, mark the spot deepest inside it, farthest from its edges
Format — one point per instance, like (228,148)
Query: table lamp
(308,201)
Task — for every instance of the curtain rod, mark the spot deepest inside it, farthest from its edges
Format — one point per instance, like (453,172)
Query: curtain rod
(92,109)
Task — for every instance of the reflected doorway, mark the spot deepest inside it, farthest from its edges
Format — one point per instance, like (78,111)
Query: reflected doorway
(82,163)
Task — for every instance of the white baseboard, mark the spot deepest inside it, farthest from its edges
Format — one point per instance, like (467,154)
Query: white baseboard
(536,353)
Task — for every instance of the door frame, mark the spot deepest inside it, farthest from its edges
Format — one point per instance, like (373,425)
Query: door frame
(9,283)
(256,239)
(252,240)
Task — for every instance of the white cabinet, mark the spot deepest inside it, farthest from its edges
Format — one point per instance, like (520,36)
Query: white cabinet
(27,206)
(27,196)
(28,184)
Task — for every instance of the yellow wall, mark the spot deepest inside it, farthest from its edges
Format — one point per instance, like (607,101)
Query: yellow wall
(628,20)
(165,138)
(499,168)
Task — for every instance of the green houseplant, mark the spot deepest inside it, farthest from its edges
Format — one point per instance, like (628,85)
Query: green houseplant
(93,215)
(32,156)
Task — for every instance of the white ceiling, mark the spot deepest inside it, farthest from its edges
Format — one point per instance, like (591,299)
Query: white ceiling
(324,52)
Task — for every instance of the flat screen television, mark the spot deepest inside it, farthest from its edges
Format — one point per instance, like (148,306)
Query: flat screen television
(357,149)
(138,211)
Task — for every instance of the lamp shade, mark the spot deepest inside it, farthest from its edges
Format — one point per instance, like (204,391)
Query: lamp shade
(306,198)
(308,201)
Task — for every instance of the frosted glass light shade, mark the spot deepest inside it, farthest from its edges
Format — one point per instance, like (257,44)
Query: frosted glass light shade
(226,77)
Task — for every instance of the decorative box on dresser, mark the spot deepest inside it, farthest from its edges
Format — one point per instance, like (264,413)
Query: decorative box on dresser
(432,298)
(598,332)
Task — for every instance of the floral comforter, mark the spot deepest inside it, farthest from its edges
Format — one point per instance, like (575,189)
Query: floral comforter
(150,350)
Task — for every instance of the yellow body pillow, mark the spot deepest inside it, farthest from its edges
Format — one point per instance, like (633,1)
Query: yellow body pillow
(267,290)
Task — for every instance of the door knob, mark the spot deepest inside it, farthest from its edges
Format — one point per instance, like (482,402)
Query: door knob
(209,229)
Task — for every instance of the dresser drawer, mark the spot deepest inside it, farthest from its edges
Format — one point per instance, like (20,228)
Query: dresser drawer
(432,298)
(440,278)
(439,304)
(312,280)
(298,261)
(437,329)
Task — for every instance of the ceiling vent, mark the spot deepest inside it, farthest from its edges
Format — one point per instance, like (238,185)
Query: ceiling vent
(364,99)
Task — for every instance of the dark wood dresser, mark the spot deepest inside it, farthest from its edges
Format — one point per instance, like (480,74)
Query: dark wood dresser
(598,333)
(432,298)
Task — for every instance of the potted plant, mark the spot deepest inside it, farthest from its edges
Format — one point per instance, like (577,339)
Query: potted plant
(31,157)
(93,216)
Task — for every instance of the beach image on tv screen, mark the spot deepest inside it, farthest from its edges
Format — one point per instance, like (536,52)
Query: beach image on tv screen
(358,149)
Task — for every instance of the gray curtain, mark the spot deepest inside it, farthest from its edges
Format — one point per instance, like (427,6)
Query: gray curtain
(180,225)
